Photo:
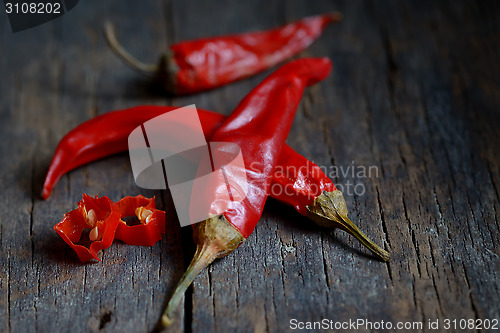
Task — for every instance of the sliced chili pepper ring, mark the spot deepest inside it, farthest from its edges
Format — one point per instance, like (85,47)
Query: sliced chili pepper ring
(100,215)
(152,221)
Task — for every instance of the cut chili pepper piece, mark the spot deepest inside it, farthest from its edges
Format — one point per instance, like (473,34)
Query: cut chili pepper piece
(202,64)
(152,221)
(100,216)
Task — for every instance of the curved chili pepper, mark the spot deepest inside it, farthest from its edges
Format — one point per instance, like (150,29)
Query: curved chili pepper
(203,64)
(152,221)
(100,215)
(301,181)
(103,136)
(259,129)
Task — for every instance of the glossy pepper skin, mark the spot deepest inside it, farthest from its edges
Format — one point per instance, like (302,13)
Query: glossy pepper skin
(302,184)
(152,221)
(203,64)
(100,215)
(296,180)
(105,135)
(259,126)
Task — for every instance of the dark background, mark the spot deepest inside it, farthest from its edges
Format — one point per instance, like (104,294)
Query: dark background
(415,91)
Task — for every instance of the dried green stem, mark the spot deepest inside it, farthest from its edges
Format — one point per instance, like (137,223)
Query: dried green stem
(203,257)
(335,16)
(214,238)
(130,60)
(329,210)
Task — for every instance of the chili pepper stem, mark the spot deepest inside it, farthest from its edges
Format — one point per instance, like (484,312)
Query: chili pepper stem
(203,257)
(335,16)
(165,71)
(329,210)
(109,31)
(214,238)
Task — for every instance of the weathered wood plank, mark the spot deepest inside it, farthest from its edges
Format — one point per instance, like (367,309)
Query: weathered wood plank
(67,82)
(412,287)
(415,94)
(454,168)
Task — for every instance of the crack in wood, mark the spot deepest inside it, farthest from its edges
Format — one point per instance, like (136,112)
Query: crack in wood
(412,234)
(386,234)
(473,304)
(9,291)
(325,265)
(434,284)
(493,183)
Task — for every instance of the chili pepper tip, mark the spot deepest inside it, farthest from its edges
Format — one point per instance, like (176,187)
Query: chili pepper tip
(45,193)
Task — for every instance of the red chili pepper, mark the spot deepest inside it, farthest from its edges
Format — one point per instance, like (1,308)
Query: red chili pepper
(100,215)
(258,126)
(105,135)
(300,181)
(152,221)
(303,185)
(203,64)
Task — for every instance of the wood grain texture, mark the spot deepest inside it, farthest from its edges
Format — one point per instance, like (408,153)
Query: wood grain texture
(415,94)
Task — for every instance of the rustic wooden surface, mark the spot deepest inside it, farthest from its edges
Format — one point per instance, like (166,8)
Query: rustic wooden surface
(415,93)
